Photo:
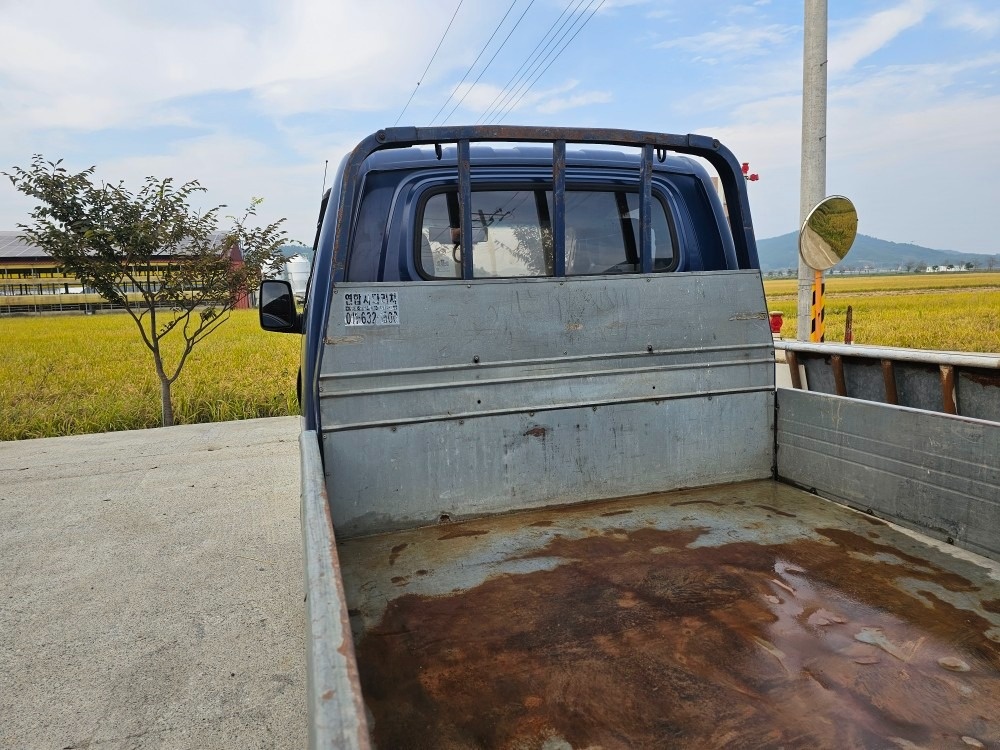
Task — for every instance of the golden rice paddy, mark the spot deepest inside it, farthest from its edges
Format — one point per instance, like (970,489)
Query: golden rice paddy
(72,374)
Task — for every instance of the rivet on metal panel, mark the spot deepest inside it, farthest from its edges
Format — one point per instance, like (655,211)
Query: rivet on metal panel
(393,429)
(334,291)
(531,413)
(380,136)
(593,408)
(476,359)
(649,348)
(461,421)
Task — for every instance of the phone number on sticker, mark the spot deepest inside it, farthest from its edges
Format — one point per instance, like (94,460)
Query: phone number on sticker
(371,309)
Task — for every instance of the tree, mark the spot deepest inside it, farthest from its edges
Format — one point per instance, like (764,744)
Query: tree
(150,252)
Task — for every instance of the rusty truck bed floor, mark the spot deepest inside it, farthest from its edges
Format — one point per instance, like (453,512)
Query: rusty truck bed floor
(745,615)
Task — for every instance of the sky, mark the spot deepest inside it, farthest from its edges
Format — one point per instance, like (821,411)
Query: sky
(251,98)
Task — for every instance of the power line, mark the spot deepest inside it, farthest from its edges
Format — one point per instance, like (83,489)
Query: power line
(517,93)
(481,51)
(505,92)
(511,107)
(504,42)
(440,42)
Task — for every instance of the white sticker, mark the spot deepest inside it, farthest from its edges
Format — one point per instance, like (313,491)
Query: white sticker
(371,309)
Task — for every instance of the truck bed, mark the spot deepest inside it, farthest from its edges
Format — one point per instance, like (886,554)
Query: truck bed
(743,615)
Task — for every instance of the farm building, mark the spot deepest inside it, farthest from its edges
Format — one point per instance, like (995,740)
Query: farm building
(31,281)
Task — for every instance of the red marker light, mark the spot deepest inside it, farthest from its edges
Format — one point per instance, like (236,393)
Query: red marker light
(746,167)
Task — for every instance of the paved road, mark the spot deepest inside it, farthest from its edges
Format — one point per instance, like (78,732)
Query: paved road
(151,589)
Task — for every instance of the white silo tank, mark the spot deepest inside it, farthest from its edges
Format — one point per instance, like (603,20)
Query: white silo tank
(297,272)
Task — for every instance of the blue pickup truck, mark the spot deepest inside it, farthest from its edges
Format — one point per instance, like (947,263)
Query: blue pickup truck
(552,498)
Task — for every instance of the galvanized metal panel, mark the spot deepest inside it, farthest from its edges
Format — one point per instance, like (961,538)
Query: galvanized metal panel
(932,472)
(978,394)
(333,689)
(919,385)
(389,478)
(918,375)
(492,396)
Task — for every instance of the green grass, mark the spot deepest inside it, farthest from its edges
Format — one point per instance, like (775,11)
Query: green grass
(72,374)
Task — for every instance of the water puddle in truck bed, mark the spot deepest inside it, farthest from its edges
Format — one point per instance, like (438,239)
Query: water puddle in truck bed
(637,640)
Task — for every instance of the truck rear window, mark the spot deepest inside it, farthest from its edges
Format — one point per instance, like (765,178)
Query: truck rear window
(512,234)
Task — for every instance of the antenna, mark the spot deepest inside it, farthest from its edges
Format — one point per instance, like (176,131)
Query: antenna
(326,164)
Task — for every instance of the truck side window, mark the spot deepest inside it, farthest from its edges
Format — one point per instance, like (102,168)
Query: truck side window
(512,234)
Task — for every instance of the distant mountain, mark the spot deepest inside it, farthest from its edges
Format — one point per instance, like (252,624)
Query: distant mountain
(782,252)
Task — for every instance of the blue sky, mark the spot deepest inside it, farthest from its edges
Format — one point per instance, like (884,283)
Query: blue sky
(251,97)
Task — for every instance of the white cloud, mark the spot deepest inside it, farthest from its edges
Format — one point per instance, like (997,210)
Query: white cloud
(874,32)
(311,56)
(971,18)
(731,42)
(560,104)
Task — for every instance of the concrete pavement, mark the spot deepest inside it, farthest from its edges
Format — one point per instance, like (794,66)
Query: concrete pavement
(151,589)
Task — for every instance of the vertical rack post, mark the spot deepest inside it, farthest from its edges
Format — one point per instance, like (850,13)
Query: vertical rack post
(465,205)
(559,207)
(645,204)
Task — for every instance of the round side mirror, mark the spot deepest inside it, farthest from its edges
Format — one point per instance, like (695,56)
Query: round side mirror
(828,232)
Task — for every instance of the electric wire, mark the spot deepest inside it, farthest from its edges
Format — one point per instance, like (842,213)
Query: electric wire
(487,67)
(515,95)
(481,51)
(422,75)
(511,107)
(529,60)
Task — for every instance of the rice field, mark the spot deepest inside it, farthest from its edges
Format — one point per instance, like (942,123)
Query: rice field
(955,312)
(73,374)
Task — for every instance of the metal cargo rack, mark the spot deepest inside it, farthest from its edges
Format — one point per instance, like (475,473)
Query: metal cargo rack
(652,145)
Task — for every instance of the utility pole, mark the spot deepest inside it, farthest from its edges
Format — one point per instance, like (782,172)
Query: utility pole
(813,181)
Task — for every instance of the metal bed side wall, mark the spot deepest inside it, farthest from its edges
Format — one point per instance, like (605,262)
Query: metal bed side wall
(935,473)
(494,396)
(333,688)
(963,383)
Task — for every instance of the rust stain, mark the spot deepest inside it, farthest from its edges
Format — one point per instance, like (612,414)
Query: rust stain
(395,552)
(327,695)
(985,378)
(460,531)
(776,511)
(541,523)
(993,605)
(697,502)
(616,513)
(538,431)
(623,647)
